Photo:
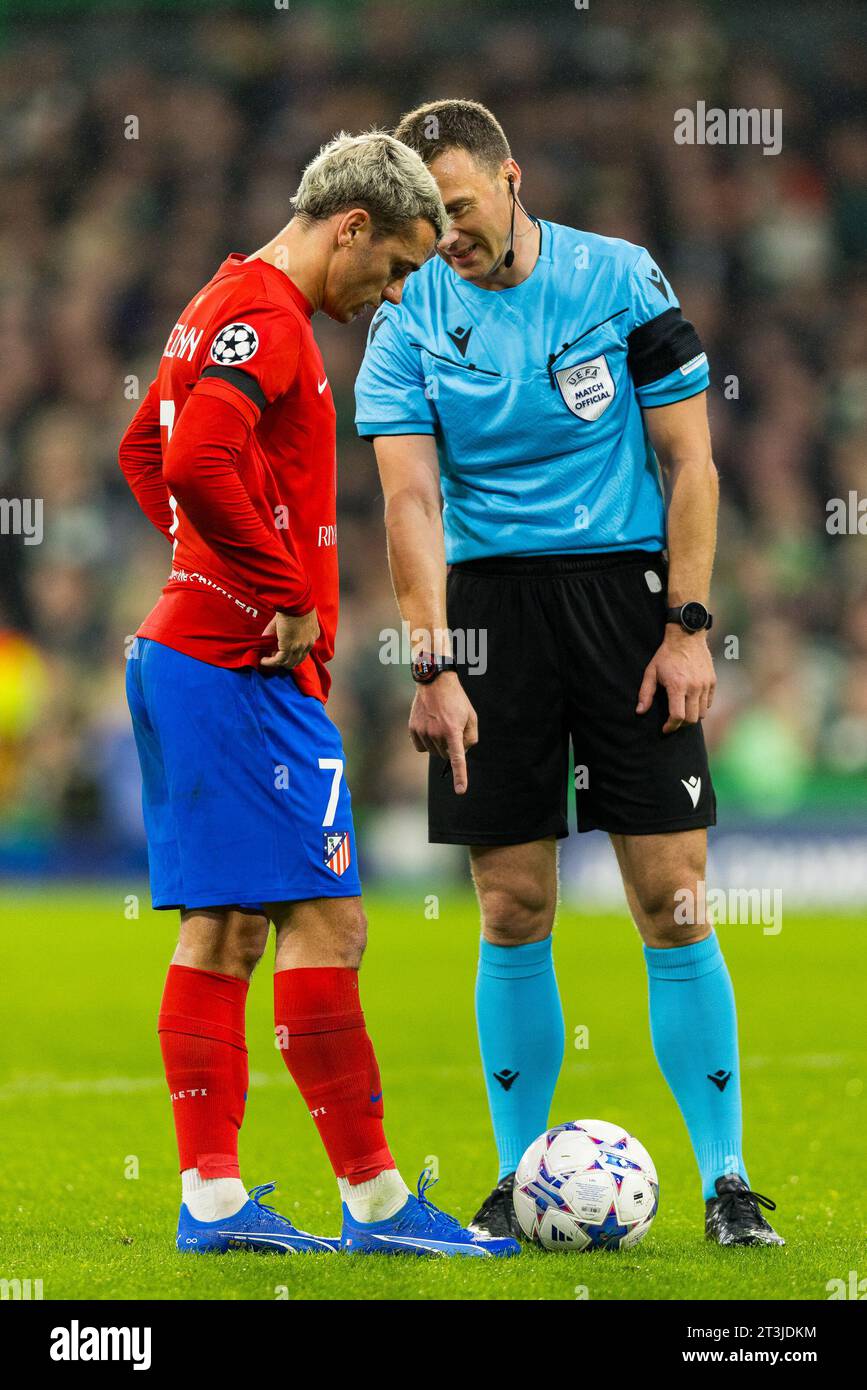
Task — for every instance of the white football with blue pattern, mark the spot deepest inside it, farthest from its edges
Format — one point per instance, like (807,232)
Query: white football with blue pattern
(586,1185)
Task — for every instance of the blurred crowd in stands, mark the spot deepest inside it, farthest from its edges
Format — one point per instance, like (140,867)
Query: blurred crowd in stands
(104,237)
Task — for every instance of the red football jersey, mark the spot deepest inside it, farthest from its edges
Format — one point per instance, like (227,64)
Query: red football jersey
(240,424)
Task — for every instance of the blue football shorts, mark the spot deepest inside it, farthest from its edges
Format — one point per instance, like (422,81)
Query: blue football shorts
(243,789)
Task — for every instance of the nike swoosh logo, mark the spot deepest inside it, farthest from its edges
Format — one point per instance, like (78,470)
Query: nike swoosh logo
(322,385)
(374,1099)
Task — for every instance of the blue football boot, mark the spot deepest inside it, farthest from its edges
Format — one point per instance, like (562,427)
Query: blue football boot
(254,1227)
(420,1228)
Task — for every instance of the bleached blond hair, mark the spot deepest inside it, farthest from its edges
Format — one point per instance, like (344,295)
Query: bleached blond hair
(375,172)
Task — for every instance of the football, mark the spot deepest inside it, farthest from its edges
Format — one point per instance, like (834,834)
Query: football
(586,1185)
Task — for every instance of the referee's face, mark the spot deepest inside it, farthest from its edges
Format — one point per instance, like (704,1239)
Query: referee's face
(479,204)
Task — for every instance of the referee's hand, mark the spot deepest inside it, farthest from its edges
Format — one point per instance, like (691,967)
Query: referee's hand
(683,666)
(442,721)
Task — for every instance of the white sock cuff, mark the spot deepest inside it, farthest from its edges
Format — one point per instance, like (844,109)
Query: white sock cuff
(211,1199)
(377,1199)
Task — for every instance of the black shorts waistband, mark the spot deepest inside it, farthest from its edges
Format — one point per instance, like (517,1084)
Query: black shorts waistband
(553,566)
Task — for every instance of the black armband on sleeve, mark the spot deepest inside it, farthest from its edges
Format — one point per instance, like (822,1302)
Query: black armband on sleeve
(661,346)
(242,381)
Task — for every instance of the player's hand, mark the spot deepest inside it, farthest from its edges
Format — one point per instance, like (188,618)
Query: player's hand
(295,638)
(683,666)
(443,721)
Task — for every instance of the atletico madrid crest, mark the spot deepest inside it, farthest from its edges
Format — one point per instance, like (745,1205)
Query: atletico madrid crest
(337,851)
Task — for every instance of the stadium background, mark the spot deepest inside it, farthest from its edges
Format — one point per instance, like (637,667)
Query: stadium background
(104,237)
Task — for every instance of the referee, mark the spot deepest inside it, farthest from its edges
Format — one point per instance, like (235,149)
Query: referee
(522,399)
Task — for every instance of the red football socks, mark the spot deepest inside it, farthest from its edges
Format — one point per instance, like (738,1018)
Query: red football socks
(201,1028)
(324,1042)
(322,1035)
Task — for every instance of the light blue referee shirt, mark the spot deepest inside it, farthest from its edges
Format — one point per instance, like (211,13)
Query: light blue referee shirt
(534,395)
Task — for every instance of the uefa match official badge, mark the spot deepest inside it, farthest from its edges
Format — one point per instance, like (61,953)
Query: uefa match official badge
(587,389)
(337,851)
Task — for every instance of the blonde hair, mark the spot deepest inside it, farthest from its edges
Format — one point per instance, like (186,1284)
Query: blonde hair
(373,171)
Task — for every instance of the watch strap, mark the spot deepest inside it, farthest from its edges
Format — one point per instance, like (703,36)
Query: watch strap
(674,615)
(427,666)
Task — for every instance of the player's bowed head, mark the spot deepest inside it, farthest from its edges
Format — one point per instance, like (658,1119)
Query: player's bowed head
(367,213)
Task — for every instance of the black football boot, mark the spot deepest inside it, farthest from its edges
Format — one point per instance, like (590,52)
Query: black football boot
(497,1216)
(733,1216)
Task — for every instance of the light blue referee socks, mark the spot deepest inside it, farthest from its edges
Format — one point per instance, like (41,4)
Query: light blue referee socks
(693,1027)
(521,1038)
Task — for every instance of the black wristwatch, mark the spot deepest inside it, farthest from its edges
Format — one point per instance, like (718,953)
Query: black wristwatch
(426,667)
(692,617)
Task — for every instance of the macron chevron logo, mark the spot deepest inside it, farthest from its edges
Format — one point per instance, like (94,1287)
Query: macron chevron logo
(461,339)
(693,787)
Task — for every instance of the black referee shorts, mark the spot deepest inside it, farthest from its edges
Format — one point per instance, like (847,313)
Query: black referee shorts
(564,642)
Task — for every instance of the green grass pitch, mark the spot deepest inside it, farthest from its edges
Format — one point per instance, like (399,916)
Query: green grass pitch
(88,1182)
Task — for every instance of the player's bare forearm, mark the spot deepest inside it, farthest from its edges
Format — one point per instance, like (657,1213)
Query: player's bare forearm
(442,720)
(683,664)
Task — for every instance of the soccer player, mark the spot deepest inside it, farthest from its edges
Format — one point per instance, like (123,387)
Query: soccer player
(232,456)
(532,376)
